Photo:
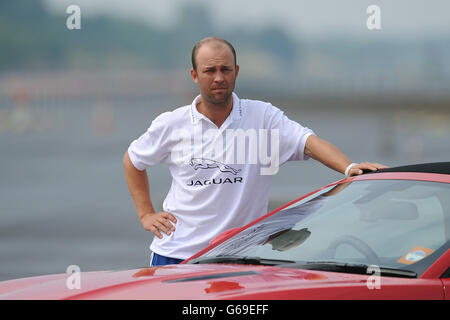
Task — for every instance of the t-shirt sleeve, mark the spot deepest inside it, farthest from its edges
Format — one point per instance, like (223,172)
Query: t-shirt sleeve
(292,135)
(151,147)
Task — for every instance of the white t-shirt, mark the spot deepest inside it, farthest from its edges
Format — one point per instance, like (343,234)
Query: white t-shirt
(220,176)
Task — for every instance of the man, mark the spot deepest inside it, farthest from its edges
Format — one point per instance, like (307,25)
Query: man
(211,191)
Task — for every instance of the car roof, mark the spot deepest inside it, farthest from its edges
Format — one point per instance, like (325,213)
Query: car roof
(435,167)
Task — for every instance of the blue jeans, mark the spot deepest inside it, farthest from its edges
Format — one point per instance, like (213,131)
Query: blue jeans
(159,260)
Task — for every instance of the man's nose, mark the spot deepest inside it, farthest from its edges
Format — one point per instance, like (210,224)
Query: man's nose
(218,77)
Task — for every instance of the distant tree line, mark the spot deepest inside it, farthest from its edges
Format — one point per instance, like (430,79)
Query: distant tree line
(33,38)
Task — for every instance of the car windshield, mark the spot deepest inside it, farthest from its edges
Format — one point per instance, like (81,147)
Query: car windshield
(400,224)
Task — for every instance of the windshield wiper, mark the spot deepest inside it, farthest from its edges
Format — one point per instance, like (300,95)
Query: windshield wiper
(332,266)
(240,260)
(350,268)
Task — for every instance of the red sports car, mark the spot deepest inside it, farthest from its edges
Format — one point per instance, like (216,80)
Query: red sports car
(382,235)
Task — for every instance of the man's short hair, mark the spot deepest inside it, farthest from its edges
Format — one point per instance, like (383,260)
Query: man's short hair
(206,40)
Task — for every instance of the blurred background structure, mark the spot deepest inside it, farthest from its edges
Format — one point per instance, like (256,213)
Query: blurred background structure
(71,101)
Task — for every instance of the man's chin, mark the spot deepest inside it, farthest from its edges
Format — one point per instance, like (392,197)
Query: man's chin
(219,98)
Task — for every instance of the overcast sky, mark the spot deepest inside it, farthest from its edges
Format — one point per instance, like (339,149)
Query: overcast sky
(298,17)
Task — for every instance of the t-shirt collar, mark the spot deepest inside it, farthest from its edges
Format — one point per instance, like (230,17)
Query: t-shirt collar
(236,112)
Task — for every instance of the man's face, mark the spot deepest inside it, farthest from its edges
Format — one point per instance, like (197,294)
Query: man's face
(216,73)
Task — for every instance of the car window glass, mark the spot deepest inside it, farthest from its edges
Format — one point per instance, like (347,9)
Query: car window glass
(393,223)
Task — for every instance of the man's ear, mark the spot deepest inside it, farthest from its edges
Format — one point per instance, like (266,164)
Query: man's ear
(194,75)
(237,70)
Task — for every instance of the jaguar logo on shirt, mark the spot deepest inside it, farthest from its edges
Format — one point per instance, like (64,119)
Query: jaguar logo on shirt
(215,181)
(202,163)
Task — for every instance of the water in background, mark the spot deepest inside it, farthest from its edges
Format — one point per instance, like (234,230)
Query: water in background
(64,199)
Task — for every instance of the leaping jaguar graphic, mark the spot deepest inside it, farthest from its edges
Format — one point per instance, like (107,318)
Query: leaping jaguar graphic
(202,163)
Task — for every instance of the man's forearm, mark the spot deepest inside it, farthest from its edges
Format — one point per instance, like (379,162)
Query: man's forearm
(139,187)
(326,153)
